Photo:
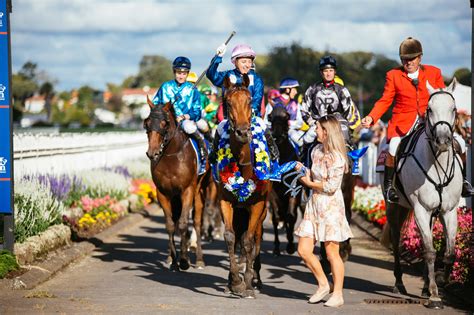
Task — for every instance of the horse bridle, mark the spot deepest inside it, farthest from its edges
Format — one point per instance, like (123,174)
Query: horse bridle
(228,93)
(156,117)
(432,128)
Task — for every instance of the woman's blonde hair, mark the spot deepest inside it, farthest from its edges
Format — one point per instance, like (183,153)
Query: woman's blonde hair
(335,139)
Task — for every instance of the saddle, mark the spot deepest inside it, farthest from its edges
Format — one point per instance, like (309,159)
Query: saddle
(405,149)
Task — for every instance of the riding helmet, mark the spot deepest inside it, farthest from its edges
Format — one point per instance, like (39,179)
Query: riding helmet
(182,63)
(410,48)
(327,62)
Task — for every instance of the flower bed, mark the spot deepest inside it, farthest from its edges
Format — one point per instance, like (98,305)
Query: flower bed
(464,255)
(368,200)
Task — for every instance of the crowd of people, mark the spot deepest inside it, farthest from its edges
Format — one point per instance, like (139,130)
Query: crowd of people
(326,118)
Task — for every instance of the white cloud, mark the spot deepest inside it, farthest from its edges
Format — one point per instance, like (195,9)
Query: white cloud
(94,42)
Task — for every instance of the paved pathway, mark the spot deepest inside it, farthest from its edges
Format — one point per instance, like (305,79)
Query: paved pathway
(127,275)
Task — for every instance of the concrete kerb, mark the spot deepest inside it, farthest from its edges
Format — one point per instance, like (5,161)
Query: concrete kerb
(61,258)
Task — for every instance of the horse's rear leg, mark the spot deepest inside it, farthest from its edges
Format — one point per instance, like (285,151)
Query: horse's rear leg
(396,215)
(235,285)
(290,222)
(197,220)
(187,204)
(275,221)
(170,228)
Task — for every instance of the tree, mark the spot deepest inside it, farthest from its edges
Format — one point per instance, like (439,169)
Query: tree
(47,90)
(463,75)
(153,71)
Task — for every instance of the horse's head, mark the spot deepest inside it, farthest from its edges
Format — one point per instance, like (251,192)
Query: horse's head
(279,118)
(239,108)
(157,126)
(440,117)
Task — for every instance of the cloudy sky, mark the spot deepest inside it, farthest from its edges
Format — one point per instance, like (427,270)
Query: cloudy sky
(98,41)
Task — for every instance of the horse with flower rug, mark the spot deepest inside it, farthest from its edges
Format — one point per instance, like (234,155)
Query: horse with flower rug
(244,171)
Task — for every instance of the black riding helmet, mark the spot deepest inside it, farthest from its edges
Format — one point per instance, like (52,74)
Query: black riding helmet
(327,62)
(182,63)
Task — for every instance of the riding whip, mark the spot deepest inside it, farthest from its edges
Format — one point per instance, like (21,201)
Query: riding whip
(205,70)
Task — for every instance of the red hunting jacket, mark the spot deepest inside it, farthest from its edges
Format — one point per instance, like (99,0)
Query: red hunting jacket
(398,87)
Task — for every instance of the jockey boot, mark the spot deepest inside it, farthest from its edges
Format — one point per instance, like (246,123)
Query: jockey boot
(467,190)
(215,145)
(272,147)
(201,144)
(389,192)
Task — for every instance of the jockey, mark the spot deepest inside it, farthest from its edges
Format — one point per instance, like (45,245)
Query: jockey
(328,97)
(209,105)
(272,95)
(185,99)
(242,57)
(288,91)
(406,85)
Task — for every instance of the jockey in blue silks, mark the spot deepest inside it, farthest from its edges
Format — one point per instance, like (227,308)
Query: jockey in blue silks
(242,57)
(186,101)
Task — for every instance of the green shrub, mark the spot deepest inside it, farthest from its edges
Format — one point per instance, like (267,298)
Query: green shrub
(7,263)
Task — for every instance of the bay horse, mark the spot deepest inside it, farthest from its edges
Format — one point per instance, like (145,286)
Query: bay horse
(429,181)
(248,214)
(174,172)
(283,207)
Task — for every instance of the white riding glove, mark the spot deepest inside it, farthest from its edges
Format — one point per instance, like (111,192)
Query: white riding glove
(221,50)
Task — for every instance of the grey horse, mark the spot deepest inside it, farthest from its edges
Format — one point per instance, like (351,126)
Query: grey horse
(429,182)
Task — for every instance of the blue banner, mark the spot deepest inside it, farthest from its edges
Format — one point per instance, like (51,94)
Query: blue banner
(5,114)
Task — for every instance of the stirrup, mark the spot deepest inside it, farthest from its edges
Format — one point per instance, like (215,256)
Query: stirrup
(391,195)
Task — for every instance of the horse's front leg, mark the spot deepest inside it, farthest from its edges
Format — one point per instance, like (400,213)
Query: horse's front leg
(275,220)
(450,225)
(235,285)
(257,281)
(290,222)
(257,212)
(165,204)
(422,219)
(187,199)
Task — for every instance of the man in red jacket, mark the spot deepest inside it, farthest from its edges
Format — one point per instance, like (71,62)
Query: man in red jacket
(407,86)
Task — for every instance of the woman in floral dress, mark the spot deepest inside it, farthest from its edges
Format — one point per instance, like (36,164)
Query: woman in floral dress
(324,219)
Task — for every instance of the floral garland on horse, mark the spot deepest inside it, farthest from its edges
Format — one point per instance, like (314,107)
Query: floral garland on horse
(228,169)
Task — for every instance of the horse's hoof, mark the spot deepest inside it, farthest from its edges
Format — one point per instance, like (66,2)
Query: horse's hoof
(174,267)
(169,260)
(425,293)
(276,252)
(200,264)
(290,248)
(400,289)
(248,294)
(183,264)
(257,284)
(435,304)
(238,289)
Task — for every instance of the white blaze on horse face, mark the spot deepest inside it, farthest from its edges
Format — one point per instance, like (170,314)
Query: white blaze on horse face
(442,109)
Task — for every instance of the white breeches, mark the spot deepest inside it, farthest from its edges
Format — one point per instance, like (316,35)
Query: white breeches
(395,141)
(202,125)
(296,136)
(189,126)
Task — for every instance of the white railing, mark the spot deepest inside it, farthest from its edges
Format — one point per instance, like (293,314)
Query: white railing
(70,152)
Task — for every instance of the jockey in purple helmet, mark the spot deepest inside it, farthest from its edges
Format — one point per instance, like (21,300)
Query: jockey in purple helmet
(243,58)
(288,91)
